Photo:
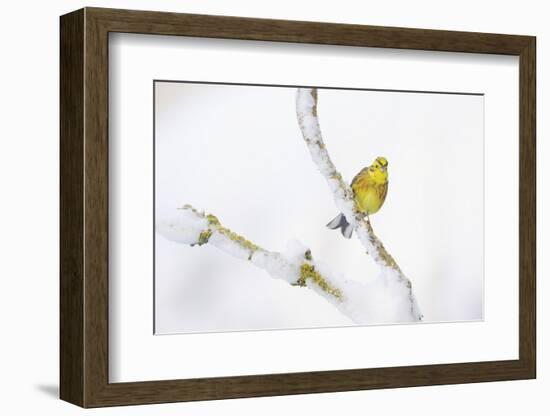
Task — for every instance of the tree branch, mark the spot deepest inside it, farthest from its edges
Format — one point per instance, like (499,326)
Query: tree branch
(388,298)
(363,302)
(296,265)
(306,110)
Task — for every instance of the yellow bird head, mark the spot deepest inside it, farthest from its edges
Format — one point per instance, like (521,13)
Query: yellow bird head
(378,171)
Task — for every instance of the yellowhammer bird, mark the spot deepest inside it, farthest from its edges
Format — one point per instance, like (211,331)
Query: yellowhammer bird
(370,187)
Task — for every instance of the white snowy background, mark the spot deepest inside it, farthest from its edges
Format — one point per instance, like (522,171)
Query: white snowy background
(237,151)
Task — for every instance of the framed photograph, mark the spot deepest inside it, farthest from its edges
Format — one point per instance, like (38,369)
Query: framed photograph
(255,207)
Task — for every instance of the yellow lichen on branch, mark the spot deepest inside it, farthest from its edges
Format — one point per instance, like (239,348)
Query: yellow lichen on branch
(307,271)
(233,236)
(204,237)
(381,250)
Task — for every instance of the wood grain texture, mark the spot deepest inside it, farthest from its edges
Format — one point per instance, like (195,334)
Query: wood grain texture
(527,208)
(84,207)
(96,208)
(72,215)
(162,23)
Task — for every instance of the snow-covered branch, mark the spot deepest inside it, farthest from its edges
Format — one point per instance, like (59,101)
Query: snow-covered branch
(368,302)
(295,265)
(385,298)
(306,110)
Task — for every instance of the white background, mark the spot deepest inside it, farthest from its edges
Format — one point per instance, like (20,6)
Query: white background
(29,179)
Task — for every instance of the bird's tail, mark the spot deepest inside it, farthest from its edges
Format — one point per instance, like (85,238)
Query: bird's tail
(340,222)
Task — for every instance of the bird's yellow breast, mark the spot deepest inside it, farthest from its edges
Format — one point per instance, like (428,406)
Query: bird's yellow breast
(369,195)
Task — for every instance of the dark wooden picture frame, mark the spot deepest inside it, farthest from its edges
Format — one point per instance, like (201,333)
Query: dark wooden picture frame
(84,207)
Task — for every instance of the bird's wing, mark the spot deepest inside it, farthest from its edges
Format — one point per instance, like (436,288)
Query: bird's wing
(359,175)
(382,192)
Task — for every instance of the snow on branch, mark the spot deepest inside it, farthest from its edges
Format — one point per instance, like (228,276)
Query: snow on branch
(386,298)
(306,110)
(368,302)
(296,265)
